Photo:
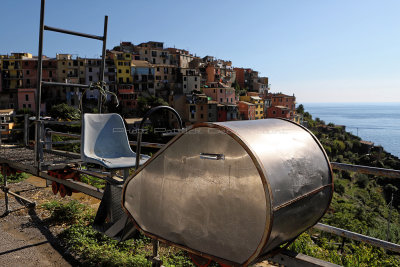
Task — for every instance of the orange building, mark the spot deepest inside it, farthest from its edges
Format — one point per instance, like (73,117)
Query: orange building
(280,112)
(246,110)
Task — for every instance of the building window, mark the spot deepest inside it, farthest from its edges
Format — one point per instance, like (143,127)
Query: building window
(184,86)
(50,74)
(201,116)
(195,79)
(195,86)
(27,72)
(220,100)
(90,78)
(231,100)
(121,80)
(126,71)
(220,90)
(201,107)
(29,106)
(273,112)
(119,71)
(154,61)
(28,81)
(24,105)
(256,112)
(184,78)
(283,112)
(90,69)
(26,97)
(63,71)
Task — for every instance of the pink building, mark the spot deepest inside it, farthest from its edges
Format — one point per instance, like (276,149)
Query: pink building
(26,98)
(220,93)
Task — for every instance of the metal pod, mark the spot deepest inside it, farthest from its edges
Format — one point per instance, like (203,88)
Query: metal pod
(232,191)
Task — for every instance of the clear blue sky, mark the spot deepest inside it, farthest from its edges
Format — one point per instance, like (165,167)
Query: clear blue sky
(322,51)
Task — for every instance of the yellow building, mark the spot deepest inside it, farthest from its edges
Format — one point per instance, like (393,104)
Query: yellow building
(11,67)
(123,65)
(259,102)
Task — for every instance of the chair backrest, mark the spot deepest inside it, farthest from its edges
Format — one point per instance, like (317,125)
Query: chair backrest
(104,136)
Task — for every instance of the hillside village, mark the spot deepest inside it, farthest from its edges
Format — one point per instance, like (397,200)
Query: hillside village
(200,89)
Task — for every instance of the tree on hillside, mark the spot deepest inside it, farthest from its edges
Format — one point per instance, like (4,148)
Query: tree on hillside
(300,109)
(146,103)
(65,112)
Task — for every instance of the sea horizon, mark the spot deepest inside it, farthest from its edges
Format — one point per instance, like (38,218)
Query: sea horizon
(378,122)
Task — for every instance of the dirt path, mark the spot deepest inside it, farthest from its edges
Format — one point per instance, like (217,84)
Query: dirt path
(24,239)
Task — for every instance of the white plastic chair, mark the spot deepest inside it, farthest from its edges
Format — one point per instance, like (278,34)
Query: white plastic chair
(104,141)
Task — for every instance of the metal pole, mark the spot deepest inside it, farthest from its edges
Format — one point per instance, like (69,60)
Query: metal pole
(26,129)
(156,262)
(4,171)
(103,60)
(39,84)
(388,224)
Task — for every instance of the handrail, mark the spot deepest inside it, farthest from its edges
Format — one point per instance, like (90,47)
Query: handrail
(145,117)
(358,237)
(366,169)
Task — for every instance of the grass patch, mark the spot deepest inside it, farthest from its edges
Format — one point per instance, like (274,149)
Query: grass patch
(15,178)
(72,212)
(92,248)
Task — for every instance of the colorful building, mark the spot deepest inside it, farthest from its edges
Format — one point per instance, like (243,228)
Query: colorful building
(6,122)
(282,106)
(143,76)
(258,105)
(280,112)
(220,93)
(246,110)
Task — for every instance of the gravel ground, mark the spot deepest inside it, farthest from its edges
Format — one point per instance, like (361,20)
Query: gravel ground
(24,239)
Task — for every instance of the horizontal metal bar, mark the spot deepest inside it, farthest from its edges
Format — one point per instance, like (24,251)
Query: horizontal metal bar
(82,187)
(290,258)
(147,144)
(358,237)
(62,122)
(61,142)
(91,36)
(63,153)
(65,84)
(6,190)
(64,134)
(366,170)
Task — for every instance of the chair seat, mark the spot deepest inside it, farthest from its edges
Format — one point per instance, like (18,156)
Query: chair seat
(105,142)
(117,163)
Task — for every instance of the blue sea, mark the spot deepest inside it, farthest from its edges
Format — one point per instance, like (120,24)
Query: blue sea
(375,122)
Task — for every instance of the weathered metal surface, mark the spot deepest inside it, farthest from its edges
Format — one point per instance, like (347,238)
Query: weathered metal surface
(366,169)
(232,191)
(359,237)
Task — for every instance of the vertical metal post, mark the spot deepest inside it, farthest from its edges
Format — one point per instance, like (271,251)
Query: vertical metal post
(39,85)
(3,168)
(388,225)
(156,262)
(26,129)
(103,60)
